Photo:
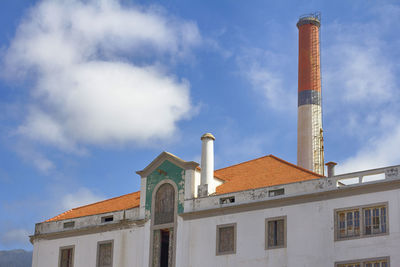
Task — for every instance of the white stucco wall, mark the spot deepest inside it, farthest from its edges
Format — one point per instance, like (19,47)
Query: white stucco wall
(310,236)
(128,248)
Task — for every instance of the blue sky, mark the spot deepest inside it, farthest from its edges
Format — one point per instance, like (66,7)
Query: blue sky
(92,91)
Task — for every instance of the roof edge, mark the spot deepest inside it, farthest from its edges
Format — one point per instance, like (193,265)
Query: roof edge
(296,166)
(91,204)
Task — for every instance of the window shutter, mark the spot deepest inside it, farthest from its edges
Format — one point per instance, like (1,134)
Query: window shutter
(281,233)
(271,232)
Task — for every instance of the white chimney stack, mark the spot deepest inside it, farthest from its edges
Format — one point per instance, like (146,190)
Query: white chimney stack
(331,168)
(207,164)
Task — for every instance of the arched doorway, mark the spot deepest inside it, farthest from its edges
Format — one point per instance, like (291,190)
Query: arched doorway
(163,225)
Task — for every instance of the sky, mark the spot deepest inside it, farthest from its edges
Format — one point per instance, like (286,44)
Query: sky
(92,91)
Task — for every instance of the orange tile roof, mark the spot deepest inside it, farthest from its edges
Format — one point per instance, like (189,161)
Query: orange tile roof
(124,202)
(261,172)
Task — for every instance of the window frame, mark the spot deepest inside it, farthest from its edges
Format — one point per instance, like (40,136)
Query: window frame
(69,225)
(217,252)
(60,254)
(98,251)
(276,192)
(106,219)
(362,229)
(267,220)
(363,262)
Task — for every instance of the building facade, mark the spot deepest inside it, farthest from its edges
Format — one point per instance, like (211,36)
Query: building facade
(287,216)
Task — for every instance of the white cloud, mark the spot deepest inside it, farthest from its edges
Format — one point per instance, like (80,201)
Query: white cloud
(270,85)
(264,70)
(15,237)
(81,197)
(91,86)
(361,90)
(359,74)
(34,157)
(380,152)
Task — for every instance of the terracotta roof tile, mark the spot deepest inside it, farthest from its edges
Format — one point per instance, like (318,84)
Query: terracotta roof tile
(124,202)
(261,172)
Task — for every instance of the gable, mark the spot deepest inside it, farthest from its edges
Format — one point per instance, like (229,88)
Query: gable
(170,157)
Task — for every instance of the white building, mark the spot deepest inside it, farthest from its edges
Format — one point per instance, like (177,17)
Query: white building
(263,212)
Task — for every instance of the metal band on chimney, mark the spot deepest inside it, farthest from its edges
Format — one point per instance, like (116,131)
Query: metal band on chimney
(308,97)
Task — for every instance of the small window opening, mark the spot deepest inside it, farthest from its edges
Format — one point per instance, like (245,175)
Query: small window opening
(164,248)
(107,219)
(69,224)
(227,200)
(276,192)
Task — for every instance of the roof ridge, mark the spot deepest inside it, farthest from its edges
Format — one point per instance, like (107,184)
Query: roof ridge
(296,166)
(247,161)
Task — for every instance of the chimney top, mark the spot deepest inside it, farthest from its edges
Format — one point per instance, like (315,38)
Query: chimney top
(330,163)
(331,168)
(313,18)
(207,135)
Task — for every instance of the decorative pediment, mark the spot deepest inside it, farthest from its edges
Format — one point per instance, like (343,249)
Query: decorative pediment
(187,165)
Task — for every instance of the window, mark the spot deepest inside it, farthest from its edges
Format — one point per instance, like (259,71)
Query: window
(66,257)
(276,192)
(275,229)
(375,220)
(227,200)
(361,221)
(69,224)
(226,239)
(107,219)
(105,254)
(379,262)
(349,223)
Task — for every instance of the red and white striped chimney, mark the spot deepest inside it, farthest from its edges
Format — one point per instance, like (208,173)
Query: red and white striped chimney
(310,148)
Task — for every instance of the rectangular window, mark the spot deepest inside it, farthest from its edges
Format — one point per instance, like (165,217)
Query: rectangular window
(350,265)
(378,262)
(349,223)
(275,232)
(361,221)
(106,219)
(226,239)
(227,200)
(105,254)
(276,192)
(375,220)
(69,224)
(66,257)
